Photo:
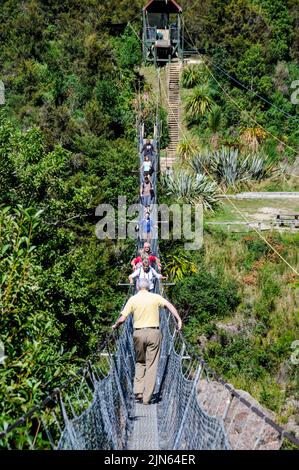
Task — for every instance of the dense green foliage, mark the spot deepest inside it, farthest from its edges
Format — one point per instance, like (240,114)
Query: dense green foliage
(203,297)
(256,43)
(240,311)
(67,144)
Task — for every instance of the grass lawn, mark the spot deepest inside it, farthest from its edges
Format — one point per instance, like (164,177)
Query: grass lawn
(253,209)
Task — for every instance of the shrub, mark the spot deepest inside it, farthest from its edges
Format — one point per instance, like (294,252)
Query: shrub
(205,294)
(189,189)
(192,75)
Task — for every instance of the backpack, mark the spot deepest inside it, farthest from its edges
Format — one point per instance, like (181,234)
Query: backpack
(151,190)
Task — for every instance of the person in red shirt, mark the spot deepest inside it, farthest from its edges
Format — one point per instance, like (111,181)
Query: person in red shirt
(145,251)
(136,261)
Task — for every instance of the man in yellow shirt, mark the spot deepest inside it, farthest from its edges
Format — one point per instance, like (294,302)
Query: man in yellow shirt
(147,336)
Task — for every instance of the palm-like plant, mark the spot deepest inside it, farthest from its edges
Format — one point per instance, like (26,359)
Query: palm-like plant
(191,76)
(179,266)
(215,118)
(200,101)
(186,149)
(229,167)
(232,167)
(190,189)
(259,167)
(203,163)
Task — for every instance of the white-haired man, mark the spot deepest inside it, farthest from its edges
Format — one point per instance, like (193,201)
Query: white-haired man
(146,272)
(147,336)
(146,251)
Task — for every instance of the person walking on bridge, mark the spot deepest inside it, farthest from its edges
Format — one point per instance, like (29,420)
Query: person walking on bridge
(147,193)
(148,149)
(153,260)
(146,337)
(148,227)
(146,271)
(145,251)
(147,167)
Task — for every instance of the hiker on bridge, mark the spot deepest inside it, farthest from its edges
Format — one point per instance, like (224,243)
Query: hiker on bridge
(147,167)
(146,252)
(148,149)
(148,227)
(137,262)
(147,193)
(146,272)
(146,337)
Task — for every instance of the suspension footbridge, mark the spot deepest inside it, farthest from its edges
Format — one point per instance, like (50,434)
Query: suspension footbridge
(193,408)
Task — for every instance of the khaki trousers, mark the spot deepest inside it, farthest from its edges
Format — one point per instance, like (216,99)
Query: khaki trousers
(147,344)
